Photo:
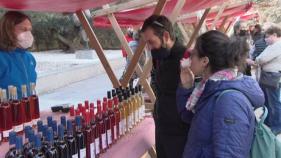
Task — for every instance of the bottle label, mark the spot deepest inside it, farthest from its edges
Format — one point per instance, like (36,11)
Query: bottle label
(115,133)
(128,121)
(18,128)
(28,124)
(75,156)
(103,140)
(143,110)
(120,128)
(92,148)
(0,137)
(137,116)
(83,153)
(34,121)
(124,125)
(140,114)
(131,120)
(97,144)
(6,133)
(109,138)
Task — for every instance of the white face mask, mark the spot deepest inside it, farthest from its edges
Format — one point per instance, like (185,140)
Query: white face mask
(25,39)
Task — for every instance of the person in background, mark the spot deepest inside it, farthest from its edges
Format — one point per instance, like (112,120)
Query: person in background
(224,126)
(167,51)
(270,60)
(134,45)
(129,37)
(17,64)
(257,33)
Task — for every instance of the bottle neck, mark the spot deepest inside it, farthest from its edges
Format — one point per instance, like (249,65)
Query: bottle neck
(12,146)
(33,92)
(26,140)
(15,97)
(51,143)
(78,128)
(19,151)
(24,95)
(61,139)
(69,133)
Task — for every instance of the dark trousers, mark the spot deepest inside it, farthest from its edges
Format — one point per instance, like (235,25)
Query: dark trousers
(248,70)
(169,146)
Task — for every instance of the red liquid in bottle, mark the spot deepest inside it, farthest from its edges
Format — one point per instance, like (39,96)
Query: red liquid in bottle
(107,125)
(71,111)
(118,119)
(34,102)
(112,122)
(5,116)
(90,145)
(102,129)
(25,104)
(87,105)
(17,113)
(95,132)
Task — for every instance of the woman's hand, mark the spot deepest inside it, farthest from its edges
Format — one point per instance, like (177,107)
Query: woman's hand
(187,77)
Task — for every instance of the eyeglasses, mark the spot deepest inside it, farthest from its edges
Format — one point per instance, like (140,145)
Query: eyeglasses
(159,24)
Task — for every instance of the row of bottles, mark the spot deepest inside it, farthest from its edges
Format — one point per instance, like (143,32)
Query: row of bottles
(15,114)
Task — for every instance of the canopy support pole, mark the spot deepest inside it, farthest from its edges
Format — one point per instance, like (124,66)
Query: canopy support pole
(222,8)
(228,26)
(223,23)
(94,41)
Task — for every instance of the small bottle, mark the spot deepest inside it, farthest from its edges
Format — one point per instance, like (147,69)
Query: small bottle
(80,105)
(12,143)
(5,116)
(52,151)
(95,131)
(10,87)
(25,103)
(112,122)
(40,127)
(107,124)
(63,122)
(50,121)
(55,129)
(134,102)
(86,104)
(131,110)
(45,139)
(38,146)
(138,103)
(18,114)
(109,95)
(34,102)
(89,140)
(62,147)
(142,102)
(30,152)
(123,116)
(102,129)
(28,144)
(80,138)
(83,111)
(71,141)
(118,118)
(19,151)
(127,112)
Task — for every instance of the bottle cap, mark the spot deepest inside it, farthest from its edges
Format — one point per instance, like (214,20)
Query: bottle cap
(31,138)
(136,90)
(71,111)
(83,110)
(140,88)
(115,100)
(99,109)
(78,121)
(110,104)
(55,126)
(77,112)
(27,128)
(12,137)
(49,120)
(109,94)
(19,142)
(98,102)
(128,94)
(120,98)
(87,117)
(104,105)
(39,126)
(131,86)
(69,126)
(50,135)
(63,121)
(120,87)
(105,99)
(86,104)
(125,96)
(127,88)
(38,141)
(92,105)
(132,91)
(80,106)
(92,113)
(116,89)
(45,128)
(61,134)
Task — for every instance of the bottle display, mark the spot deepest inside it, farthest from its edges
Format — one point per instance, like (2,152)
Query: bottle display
(5,116)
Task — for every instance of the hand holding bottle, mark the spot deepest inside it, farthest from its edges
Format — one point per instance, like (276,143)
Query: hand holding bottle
(187,77)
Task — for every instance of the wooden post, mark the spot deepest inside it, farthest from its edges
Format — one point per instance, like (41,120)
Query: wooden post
(223,23)
(194,25)
(94,41)
(228,26)
(218,15)
(183,31)
(130,54)
(196,31)
(158,10)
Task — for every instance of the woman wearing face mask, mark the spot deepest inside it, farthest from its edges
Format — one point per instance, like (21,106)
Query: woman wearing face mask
(17,64)
(221,127)
(270,60)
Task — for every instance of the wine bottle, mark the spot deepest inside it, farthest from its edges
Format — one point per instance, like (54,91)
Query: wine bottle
(63,122)
(127,112)
(38,146)
(118,118)
(112,119)
(18,114)
(142,102)
(89,140)
(87,105)
(62,147)
(134,102)
(45,139)
(138,100)
(131,109)
(5,116)
(19,150)
(107,125)
(40,127)
(30,152)
(34,101)
(27,145)
(80,138)
(25,103)
(52,151)
(123,115)
(95,131)
(72,114)
(50,121)
(12,142)
(55,130)
(102,129)
(71,141)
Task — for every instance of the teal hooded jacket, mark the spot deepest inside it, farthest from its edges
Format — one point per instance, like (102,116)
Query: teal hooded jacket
(17,68)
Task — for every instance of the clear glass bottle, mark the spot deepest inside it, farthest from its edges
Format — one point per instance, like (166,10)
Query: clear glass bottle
(118,117)
(134,103)
(142,102)
(131,109)
(127,112)
(34,102)
(138,104)
(123,115)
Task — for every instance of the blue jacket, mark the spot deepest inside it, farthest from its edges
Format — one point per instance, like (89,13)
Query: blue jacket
(225,129)
(17,68)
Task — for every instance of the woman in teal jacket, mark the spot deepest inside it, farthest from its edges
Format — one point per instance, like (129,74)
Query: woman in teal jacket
(17,65)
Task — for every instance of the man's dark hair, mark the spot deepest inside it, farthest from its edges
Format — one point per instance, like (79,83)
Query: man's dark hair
(159,24)
(258,26)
